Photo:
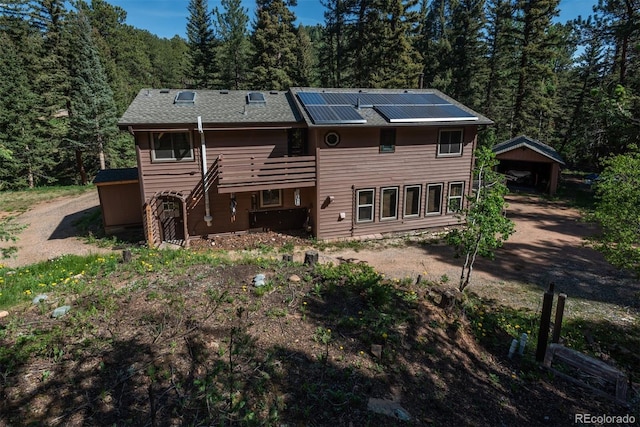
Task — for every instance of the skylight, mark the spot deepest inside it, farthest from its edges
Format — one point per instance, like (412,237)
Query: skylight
(185,97)
(256,98)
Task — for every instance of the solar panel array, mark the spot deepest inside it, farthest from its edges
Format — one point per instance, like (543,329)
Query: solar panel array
(341,107)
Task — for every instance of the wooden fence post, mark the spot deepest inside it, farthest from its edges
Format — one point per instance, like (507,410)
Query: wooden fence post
(545,321)
(557,326)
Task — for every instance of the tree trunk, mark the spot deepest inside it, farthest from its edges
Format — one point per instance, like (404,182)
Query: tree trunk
(80,165)
(101,156)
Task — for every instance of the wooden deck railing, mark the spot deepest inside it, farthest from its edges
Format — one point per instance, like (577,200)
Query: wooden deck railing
(243,173)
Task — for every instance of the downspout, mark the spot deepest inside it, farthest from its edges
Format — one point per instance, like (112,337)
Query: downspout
(203,153)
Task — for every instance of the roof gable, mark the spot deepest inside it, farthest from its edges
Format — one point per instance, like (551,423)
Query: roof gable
(532,144)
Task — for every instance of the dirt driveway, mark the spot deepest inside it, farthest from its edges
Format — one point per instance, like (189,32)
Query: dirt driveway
(548,246)
(50,230)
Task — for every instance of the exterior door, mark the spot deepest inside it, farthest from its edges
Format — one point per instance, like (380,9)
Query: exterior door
(171,220)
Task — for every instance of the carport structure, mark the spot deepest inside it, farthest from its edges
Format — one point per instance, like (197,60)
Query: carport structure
(529,163)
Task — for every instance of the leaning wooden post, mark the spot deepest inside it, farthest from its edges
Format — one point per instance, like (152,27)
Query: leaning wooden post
(310,257)
(545,321)
(557,326)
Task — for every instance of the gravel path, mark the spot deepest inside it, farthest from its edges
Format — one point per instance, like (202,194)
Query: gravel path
(50,232)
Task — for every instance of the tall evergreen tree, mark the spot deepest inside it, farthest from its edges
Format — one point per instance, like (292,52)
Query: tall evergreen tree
(400,64)
(535,90)
(333,66)
(305,59)
(93,117)
(501,65)
(235,47)
(468,53)
(435,43)
(202,45)
(275,43)
(19,120)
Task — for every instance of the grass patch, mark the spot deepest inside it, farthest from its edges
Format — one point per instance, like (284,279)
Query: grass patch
(21,201)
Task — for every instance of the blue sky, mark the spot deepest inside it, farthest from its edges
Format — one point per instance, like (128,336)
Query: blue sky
(166,18)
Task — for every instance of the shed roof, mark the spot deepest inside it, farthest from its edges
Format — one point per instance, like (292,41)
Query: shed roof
(116,175)
(216,107)
(532,144)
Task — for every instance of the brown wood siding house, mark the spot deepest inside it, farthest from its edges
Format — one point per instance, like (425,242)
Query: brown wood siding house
(339,163)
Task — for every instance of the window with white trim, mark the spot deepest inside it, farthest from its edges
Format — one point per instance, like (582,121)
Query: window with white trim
(412,197)
(388,203)
(270,198)
(456,194)
(364,205)
(434,199)
(450,142)
(171,147)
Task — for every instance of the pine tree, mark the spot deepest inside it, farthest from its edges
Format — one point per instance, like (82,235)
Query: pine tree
(435,43)
(202,46)
(535,89)
(333,66)
(400,63)
(500,84)
(235,48)
(305,59)
(93,118)
(18,117)
(275,43)
(467,63)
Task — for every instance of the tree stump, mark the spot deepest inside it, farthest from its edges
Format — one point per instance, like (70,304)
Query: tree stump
(311,257)
(126,256)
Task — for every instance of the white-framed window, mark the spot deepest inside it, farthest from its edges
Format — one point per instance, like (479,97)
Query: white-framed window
(388,203)
(456,194)
(364,205)
(270,198)
(434,199)
(450,142)
(412,198)
(171,147)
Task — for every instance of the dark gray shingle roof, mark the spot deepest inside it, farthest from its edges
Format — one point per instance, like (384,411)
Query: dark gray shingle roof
(525,141)
(156,106)
(116,175)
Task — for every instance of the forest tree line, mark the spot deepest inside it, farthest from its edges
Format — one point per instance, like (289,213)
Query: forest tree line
(69,71)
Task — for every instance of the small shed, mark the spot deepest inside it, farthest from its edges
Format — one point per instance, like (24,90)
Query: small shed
(120,201)
(529,163)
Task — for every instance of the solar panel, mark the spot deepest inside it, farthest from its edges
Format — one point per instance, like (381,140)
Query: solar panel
(406,107)
(334,114)
(424,113)
(311,98)
(185,97)
(365,99)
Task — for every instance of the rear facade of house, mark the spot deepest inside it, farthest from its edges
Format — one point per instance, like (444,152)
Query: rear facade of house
(338,163)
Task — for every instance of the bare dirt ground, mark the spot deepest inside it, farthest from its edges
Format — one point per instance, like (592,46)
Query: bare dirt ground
(548,246)
(156,345)
(51,232)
